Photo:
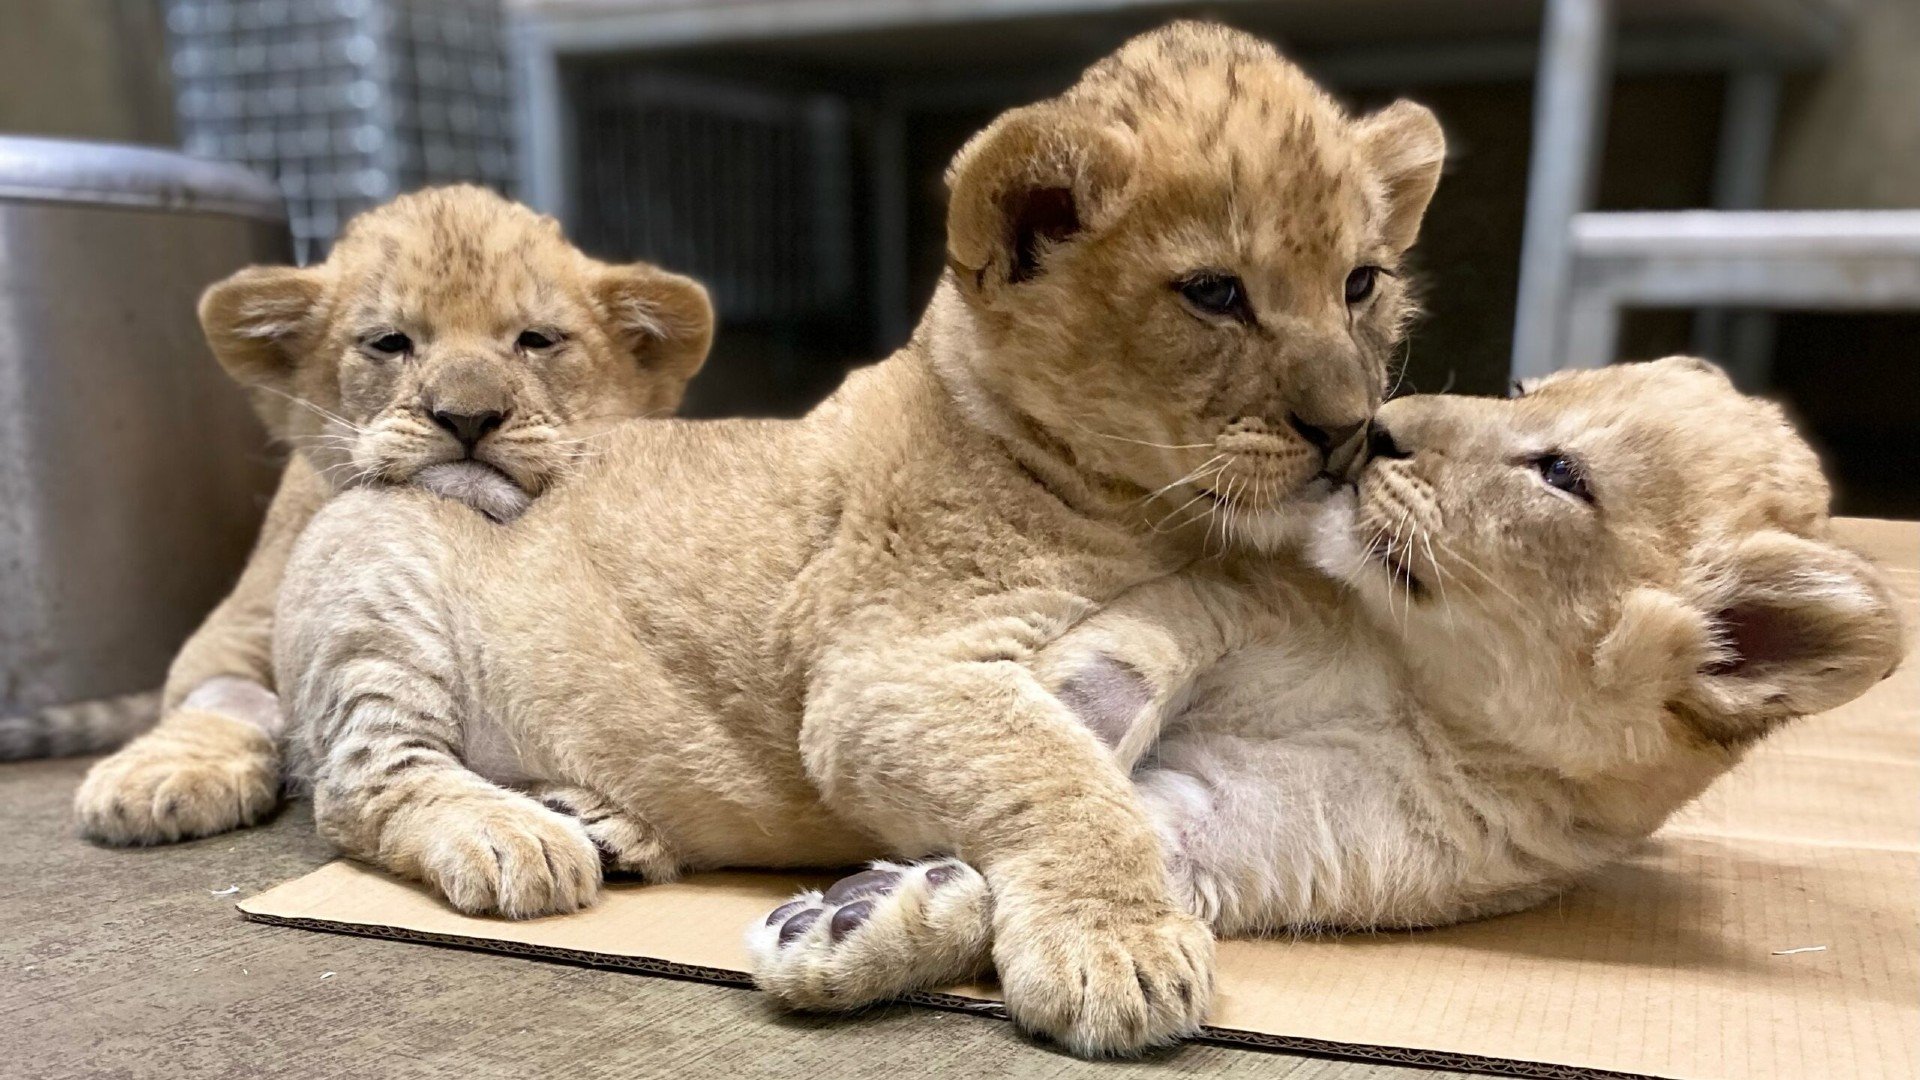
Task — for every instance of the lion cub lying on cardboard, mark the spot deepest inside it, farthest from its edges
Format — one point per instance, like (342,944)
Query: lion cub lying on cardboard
(1544,625)
(803,643)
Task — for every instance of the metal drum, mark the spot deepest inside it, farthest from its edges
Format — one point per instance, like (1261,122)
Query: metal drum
(132,473)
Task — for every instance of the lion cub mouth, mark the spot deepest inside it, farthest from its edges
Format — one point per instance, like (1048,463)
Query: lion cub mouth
(476,484)
(1395,562)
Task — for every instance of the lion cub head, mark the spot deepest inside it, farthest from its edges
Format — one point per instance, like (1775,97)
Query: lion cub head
(1186,269)
(1620,568)
(455,340)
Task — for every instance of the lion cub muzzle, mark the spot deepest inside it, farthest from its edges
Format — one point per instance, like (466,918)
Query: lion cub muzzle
(1268,463)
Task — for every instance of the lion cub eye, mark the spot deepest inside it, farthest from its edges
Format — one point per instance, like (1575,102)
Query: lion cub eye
(1216,294)
(533,341)
(1564,473)
(392,343)
(1360,283)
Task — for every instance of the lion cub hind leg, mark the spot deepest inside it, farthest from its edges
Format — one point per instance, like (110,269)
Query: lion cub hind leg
(198,773)
(881,933)
(627,844)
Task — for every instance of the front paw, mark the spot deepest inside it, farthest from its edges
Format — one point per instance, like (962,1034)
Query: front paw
(1103,979)
(881,933)
(197,774)
(627,844)
(507,854)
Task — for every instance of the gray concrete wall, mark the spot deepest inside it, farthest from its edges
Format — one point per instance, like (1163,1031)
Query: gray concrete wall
(1850,134)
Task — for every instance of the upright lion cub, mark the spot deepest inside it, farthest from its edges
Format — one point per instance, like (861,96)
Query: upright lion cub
(453,342)
(803,642)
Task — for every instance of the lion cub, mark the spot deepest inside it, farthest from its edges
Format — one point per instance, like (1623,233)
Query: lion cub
(1544,625)
(453,342)
(801,642)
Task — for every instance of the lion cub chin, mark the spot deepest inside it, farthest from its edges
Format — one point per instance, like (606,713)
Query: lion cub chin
(1545,624)
(452,341)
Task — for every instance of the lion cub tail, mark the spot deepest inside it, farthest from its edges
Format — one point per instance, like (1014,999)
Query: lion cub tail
(84,727)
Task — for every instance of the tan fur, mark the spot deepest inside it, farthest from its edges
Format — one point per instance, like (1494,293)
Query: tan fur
(800,643)
(1554,679)
(462,272)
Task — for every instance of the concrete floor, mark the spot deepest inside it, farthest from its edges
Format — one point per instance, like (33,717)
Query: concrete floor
(121,963)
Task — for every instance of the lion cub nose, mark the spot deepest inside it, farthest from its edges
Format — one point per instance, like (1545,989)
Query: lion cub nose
(469,428)
(1340,444)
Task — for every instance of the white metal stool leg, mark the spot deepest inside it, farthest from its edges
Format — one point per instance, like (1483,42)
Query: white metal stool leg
(1569,112)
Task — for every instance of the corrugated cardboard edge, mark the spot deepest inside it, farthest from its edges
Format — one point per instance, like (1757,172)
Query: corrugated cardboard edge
(647,965)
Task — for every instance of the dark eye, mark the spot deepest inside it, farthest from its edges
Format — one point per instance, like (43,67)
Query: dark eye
(533,341)
(1563,472)
(391,344)
(1216,294)
(1360,283)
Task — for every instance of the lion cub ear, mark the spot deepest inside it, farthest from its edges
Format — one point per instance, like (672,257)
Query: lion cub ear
(1799,626)
(261,321)
(1034,179)
(1407,148)
(661,319)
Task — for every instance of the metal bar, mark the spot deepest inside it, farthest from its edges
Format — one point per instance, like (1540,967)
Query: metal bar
(1568,120)
(543,139)
(1593,330)
(1832,282)
(1754,234)
(696,23)
(1843,260)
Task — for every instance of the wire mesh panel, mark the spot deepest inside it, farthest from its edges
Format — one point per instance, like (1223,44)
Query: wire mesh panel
(744,187)
(345,103)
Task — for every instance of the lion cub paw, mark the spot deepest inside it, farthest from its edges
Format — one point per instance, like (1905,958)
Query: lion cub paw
(1104,980)
(627,844)
(197,774)
(881,933)
(506,854)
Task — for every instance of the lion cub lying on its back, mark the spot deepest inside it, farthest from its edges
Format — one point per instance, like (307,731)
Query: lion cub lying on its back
(1548,623)
(453,341)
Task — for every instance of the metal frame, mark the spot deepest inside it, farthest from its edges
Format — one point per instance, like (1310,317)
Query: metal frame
(1579,269)
(1569,116)
(1573,64)
(1840,260)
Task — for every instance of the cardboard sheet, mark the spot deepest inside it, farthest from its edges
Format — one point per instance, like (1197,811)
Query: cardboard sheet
(1771,930)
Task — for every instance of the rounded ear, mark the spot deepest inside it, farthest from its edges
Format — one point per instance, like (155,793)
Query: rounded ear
(1696,364)
(1799,626)
(258,322)
(1034,179)
(662,319)
(1407,148)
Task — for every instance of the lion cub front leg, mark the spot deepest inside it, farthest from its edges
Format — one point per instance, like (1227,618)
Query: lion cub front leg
(894,929)
(936,747)
(213,761)
(211,765)
(391,789)
(628,845)
(368,670)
